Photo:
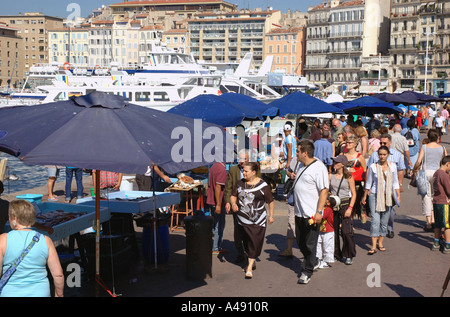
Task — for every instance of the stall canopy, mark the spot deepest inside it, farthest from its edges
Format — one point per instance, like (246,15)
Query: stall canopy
(392,98)
(301,103)
(423,98)
(368,106)
(100,131)
(447,95)
(250,103)
(216,110)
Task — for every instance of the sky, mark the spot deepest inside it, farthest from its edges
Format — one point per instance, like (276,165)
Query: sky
(59,7)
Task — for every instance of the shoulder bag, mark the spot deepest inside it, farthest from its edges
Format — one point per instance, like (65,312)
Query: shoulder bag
(421,178)
(289,194)
(16,263)
(289,183)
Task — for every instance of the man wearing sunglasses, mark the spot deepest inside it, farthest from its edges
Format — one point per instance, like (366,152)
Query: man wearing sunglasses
(395,157)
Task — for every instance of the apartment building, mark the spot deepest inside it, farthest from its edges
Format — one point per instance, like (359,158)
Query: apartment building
(185,9)
(287,47)
(69,44)
(11,64)
(177,39)
(228,36)
(340,34)
(33,28)
(420,45)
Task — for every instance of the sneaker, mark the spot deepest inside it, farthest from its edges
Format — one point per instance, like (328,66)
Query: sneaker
(317,265)
(304,279)
(435,247)
(446,250)
(324,265)
(348,261)
(220,251)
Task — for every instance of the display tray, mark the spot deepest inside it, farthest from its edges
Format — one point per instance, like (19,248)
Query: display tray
(59,221)
(134,201)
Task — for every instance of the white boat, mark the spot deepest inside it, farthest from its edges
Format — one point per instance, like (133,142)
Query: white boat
(167,65)
(239,80)
(147,93)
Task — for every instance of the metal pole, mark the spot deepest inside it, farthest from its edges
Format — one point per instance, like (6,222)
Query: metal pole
(97,226)
(154,217)
(379,71)
(426,66)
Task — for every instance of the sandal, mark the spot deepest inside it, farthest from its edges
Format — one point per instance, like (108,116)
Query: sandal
(372,251)
(382,249)
(248,275)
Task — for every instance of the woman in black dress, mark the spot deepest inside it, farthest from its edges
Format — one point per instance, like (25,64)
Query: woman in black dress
(248,200)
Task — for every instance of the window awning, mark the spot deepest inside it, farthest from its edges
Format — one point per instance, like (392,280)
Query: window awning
(370,89)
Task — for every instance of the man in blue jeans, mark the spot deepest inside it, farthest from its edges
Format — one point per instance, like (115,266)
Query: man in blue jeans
(79,180)
(216,203)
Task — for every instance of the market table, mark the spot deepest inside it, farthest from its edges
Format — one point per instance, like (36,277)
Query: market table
(59,221)
(124,204)
(188,208)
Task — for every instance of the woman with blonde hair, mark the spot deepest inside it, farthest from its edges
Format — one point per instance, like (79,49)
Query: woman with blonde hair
(363,145)
(374,142)
(30,277)
(357,167)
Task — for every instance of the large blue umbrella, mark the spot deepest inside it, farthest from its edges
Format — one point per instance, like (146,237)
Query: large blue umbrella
(420,97)
(217,110)
(368,106)
(446,95)
(392,98)
(251,103)
(102,132)
(300,103)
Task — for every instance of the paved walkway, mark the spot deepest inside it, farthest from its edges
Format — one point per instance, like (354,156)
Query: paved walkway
(407,269)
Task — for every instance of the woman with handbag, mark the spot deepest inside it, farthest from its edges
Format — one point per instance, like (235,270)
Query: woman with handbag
(357,167)
(383,192)
(430,156)
(248,201)
(343,186)
(34,251)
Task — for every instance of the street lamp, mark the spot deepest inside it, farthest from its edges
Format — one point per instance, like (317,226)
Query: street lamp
(379,71)
(426,62)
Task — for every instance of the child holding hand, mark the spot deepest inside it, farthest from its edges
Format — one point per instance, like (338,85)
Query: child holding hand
(325,242)
(441,187)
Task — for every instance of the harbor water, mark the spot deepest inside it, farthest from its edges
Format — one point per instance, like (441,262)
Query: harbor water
(28,176)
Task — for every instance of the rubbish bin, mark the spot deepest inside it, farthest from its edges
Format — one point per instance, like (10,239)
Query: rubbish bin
(162,237)
(198,246)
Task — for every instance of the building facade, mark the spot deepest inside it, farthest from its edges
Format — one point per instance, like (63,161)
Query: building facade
(420,45)
(33,28)
(227,37)
(287,47)
(11,63)
(340,34)
(69,44)
(186,9)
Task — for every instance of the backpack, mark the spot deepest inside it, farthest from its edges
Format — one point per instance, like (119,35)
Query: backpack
(409,138)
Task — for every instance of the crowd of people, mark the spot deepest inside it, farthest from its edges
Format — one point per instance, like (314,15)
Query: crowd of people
(339,170)
(358,169)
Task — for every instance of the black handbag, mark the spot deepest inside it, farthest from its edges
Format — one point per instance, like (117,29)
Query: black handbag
(289,184)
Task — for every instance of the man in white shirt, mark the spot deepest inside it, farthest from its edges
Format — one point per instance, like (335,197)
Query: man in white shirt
(431,115)
(310,196)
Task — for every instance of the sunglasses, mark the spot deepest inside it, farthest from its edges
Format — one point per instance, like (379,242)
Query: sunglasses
(383,143)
